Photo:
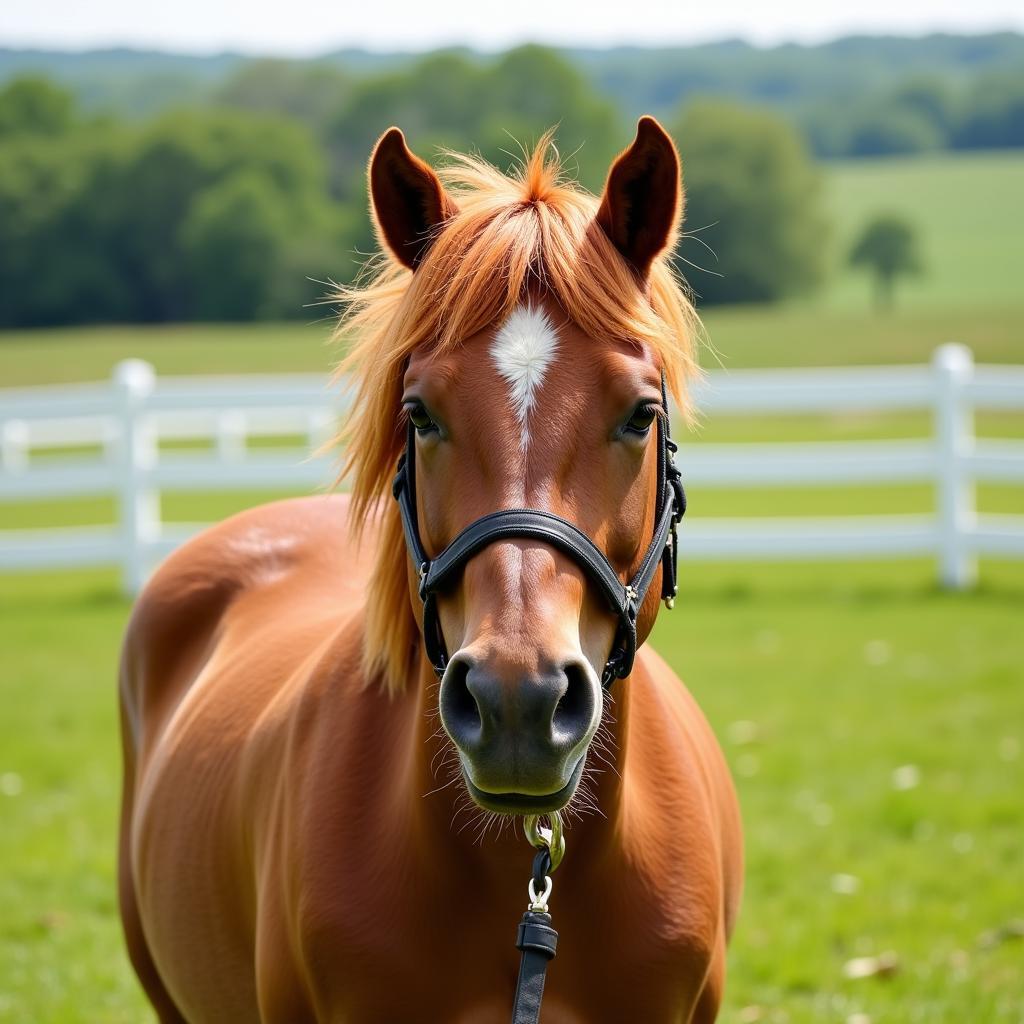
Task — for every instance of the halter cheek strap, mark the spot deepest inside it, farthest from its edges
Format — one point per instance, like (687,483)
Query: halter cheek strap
(624,599)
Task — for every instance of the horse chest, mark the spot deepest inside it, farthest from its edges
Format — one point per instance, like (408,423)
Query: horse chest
(427,948)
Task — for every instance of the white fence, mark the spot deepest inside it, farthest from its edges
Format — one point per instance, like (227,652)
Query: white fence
(132,417)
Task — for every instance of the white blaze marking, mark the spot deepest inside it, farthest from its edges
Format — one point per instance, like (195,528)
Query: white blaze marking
(523,349)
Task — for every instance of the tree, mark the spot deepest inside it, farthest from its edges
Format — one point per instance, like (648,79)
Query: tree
(994,114)
(306,91)
(208,214)
(233,241)
(447,100)
(164,181)
(887,246)
(35,106)
(756,231)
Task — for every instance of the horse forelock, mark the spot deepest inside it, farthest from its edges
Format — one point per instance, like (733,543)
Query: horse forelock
(514,237)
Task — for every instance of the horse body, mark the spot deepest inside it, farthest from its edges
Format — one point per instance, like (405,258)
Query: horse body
(298,841)
(289,858)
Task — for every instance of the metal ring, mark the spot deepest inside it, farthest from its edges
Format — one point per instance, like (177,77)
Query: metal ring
(540,903)
(552,837)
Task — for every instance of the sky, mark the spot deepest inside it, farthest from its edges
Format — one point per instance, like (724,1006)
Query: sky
(308,27)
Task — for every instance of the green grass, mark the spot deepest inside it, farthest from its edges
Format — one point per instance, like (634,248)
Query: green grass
(846,672)
(969,217)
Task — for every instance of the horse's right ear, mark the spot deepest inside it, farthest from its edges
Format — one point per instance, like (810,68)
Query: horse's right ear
(407,199)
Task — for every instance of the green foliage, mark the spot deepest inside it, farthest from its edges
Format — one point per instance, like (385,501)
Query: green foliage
(891,129)
(755,227)
(995,114)
(888,248)
(232,241)
(308,92)
(103,220)
(111,223)
(239,210)
(32,105)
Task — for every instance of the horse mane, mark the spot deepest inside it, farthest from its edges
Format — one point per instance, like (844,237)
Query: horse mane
(531,228)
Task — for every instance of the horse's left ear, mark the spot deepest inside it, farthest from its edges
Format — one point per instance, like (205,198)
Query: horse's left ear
(407,199)
(643,196)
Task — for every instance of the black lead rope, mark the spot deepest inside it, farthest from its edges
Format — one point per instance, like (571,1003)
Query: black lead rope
(536,939)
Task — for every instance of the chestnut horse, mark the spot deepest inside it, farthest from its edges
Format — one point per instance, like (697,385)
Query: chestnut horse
(306,811)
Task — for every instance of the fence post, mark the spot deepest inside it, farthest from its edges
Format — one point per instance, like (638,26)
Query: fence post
(232,429)
(138,503)
(14,446)
(954,435)
(320,430)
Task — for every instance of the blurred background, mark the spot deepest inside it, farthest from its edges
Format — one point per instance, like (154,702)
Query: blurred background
(180,190)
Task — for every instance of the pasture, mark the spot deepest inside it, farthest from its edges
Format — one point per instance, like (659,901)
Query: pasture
(966,210)
(874,724)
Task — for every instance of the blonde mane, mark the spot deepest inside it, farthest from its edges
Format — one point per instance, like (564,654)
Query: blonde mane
(511,232)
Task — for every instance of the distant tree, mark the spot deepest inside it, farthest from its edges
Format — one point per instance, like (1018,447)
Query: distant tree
(531,89)
(887,246)
(447,100)
(888,129)
(933,99)
(210,214)
(308,91)
(233,241)
(31,105)
(993,114)
(177,160)
(754,229)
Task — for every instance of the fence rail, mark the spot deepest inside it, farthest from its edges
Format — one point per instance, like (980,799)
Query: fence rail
(123,429)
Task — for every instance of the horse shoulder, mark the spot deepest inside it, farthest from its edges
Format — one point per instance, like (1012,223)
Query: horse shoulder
(690,768)
(265,562)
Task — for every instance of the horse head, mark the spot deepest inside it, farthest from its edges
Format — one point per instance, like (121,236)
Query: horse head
(531,333)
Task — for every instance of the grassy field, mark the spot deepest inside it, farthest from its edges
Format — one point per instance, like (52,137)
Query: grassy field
(875,725)
(967,210)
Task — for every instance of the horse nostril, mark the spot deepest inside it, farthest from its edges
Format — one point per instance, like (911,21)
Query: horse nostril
(460,713)
(575,708)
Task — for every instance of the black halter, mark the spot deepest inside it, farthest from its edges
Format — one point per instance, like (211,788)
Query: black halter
(625,599)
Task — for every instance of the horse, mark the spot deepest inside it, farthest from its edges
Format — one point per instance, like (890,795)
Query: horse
(314,826)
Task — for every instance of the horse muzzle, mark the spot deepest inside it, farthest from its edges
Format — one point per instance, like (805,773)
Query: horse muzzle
(522,738)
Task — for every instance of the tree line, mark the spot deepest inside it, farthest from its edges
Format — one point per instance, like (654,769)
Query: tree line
(853,96)
(250,203)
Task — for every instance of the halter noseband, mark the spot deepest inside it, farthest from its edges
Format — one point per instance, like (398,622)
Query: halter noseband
(624,599)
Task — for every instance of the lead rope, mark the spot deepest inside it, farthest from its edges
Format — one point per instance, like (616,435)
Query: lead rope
(536,939)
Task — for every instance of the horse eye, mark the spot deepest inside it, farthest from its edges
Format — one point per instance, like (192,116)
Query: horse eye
(420,418)
(641,420)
